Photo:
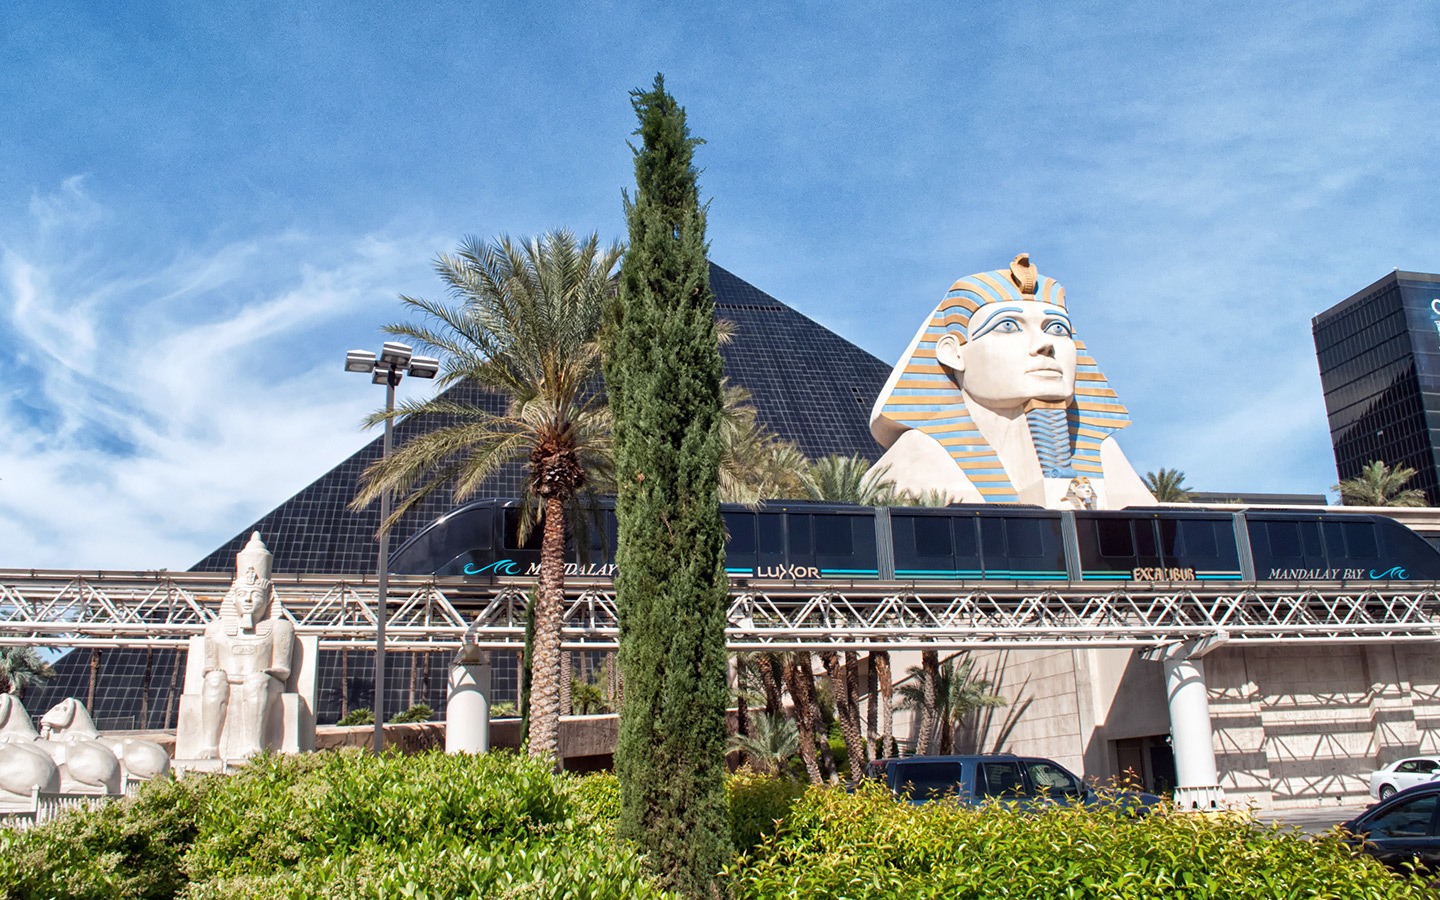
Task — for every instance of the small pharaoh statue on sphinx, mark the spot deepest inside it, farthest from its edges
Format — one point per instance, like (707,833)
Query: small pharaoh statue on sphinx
(996,400)
(246,678)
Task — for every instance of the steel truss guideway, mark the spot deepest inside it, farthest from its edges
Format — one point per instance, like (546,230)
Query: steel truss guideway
(133,609)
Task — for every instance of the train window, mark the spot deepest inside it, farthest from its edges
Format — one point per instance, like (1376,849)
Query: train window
(770,529)
(1284,538)
(1115,537)
(833,536)
(1145,539)
(512,532)
(967,538)
(1022,537)
(1310,538)
(740,527)
(800,542)
(932,536)
(1360,540)
(1198,539)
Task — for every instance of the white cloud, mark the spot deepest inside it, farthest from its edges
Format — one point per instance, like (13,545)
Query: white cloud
(161,404)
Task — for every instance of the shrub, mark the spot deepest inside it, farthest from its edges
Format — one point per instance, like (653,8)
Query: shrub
(342,824)
(758,806)
(130,848)
(361,716)
(867,845)
(420,712)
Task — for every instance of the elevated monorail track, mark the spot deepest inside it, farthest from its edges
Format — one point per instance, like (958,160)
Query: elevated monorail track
(134,609)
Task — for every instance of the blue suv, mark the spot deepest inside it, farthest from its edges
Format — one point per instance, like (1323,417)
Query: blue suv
(1021,780)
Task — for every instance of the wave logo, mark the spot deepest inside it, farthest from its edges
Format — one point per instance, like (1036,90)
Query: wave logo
(498,567)
(1435,312)
(1394,573)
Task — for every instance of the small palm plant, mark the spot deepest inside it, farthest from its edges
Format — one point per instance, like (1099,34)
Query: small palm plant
(772,740)
(849,479)
(22,667)
(1168,486)
(1380,485)
(957,691)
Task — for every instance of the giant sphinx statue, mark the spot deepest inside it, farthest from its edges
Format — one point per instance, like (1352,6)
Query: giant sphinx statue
(249,682)
(997,401)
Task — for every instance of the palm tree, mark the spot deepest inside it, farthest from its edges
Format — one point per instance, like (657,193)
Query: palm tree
(957,691)
(1380,485)
(849,479)
(22,667)
(755,464)
(772,740)
(1168,486)
(523,321)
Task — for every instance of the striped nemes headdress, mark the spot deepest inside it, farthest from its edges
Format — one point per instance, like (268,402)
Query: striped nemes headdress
(921,392)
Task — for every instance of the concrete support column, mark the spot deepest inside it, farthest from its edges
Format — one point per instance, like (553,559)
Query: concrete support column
(1197,780)
(467,709)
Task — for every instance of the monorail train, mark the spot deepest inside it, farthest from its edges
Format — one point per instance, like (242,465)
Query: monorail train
(806,541)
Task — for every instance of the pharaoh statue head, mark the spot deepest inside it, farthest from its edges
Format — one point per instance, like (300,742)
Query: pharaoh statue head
(250,598)
(1001,347)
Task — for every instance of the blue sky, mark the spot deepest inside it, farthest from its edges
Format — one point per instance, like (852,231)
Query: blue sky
(202,206)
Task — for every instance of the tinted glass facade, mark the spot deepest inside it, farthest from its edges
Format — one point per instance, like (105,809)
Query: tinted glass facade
(1379,354)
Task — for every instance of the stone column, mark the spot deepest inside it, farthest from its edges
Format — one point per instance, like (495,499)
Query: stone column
(467,709)
(1197,780)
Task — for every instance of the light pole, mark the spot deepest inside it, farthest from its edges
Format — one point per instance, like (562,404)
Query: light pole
(395,361)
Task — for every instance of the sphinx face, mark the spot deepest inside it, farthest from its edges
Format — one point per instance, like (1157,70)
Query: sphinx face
(1018,351)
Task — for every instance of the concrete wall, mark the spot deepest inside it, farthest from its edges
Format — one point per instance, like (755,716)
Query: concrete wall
(1305,726)
(1069,705)
(1293,727)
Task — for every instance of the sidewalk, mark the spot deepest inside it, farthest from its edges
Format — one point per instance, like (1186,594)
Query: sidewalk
(1315,820)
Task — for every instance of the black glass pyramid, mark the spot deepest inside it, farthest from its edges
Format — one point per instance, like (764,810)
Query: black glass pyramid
(807,384)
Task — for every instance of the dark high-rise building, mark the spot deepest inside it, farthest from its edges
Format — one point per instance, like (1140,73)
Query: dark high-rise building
(1379,353)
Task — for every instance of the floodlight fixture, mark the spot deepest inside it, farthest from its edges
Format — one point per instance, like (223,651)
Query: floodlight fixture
(396,355)
(359,361)
(424,366)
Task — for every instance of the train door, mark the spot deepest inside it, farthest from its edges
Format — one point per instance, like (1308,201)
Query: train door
(1022,547)
(936,545)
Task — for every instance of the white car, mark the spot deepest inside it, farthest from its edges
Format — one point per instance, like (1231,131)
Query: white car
(1403,773)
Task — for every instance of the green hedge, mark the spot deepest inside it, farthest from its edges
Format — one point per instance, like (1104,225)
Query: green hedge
(499,825)
(866,845)
(339,825)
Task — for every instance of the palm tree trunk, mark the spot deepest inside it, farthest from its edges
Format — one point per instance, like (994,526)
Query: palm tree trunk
(567,683)
(145,689)
(947,733)
(804,712)
(414,675)
(840,684)
(885,701)
(828,770)
(178,661)
(344,682)
(94,679)
(549,596)
(770,664)
(929,675)
(852,684)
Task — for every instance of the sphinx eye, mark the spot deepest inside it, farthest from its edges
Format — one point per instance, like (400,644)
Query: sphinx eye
(1006,326)
(1058,328)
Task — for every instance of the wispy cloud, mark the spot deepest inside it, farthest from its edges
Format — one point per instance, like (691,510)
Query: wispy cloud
(159,405)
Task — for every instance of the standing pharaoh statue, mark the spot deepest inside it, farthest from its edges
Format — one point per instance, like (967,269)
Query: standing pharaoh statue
(248,662)
(997,401)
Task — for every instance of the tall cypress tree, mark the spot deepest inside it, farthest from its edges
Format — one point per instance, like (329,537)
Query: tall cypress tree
(662,374)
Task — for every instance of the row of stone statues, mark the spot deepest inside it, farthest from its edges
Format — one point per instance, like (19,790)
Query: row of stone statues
(249,687)
(68,754)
